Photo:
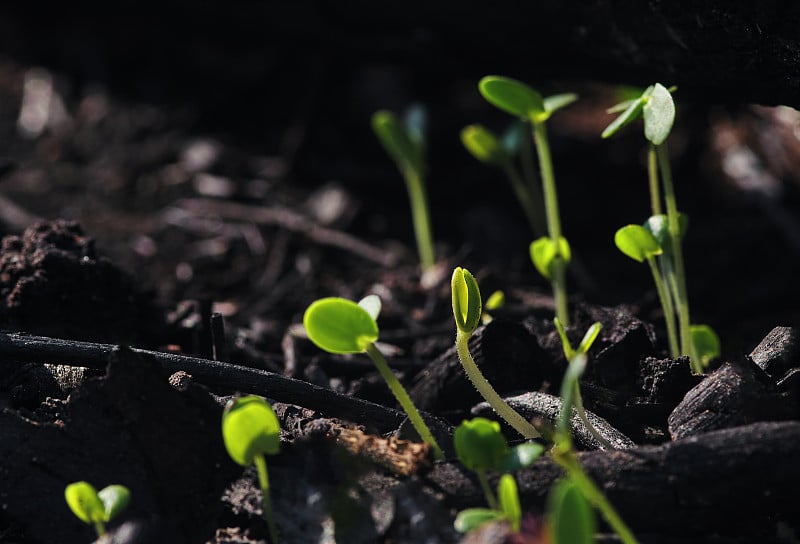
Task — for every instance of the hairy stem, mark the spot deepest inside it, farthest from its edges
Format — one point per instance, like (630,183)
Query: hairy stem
(263,482)
(402,397)
(519,423)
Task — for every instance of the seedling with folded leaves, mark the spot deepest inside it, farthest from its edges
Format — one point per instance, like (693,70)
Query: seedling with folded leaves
(550,254)
(339,325)
(96,507)
(659,240)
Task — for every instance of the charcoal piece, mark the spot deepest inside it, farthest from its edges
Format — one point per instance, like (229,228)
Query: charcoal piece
(778,352)
(735,394)
(507,355)
(666,381)
(536,405)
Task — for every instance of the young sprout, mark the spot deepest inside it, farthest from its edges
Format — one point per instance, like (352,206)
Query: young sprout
(96,508)
(404,141)
(569,515)
(481,446)
(495,301)
(508,509)
(467,312)
(337,325)
(706,344)
(250,430)
(523,102)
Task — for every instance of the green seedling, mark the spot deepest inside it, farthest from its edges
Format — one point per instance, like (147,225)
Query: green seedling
(337,325)
(523,102)
(250,430)
(657,108)
(485,146)
(467,312)
(706,344)
(404,141)
(96,508)
(495,301)
(570,517)
(508,509)
(481,446)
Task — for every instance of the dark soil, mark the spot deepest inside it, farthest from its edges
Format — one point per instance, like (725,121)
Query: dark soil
(158,254)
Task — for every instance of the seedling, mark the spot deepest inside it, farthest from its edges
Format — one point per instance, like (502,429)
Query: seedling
(481,446)
(508,509)
(656,107)
(337,325)
(523,102)
(485,146)
(404,141)
(467,312)
(250,430)
(570,516)
(706,344)
(96,508)
(495,301)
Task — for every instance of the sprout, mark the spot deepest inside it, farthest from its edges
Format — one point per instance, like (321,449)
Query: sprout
(507,509)
(569,515)
(337,325)
(250,430)
(467,313)
(546,254)
(96,508)
(706,344)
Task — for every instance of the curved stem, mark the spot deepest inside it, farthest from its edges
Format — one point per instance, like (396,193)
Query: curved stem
(420,217)
(586,423)
(519,423)
(487,489)
(666,305)
(404,400)
(263,482)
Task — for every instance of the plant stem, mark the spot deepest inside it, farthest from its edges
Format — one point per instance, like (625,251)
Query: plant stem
(567,460)
(666,305)
(402,397)
(681,300)
(526,199)
(487,489)
(420,216)
(99,528)
(263,482)
(585,420)
(652,174)
(553,220)
(519,423)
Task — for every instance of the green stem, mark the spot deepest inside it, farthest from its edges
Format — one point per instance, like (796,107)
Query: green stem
(263,482)
(570,464)
(486,390)
(585,420)
(652,174)
(402,397)
(99,528)
(666,305)
(487,489)
(682,300)
(553,219)
(420,217)
(526,199)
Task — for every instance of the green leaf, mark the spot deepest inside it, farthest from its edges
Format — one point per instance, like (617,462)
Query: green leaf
(637,242)
(520,456)
(631,113)
(622,106)
(115,499)
(484,145)
(495,301)
(372,304)
(512,97)
(569,388)
(82,499)
(544,252)
(396,141)
(659,115)
(339,325)
(509,501)
(706,343)
(472,518)
(558,101)
(250,428)
(569,353)
(480,445)
(589,338)
(571,518)
(658,226)
(466,300)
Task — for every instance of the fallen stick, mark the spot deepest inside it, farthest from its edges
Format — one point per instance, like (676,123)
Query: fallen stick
(230,377)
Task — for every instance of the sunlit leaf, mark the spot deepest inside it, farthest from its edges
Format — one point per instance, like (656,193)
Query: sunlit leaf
(637,242)
(339,325)
(479,444)
(508,498)
(512,97)
(659,114)
(484,145)
(544,253)
(115,499)
(466,297)
(558,101)
(706,343)
(82,499)
(249,428)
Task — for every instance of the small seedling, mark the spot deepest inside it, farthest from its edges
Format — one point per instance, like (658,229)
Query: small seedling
(96,508)
(508,509)
(467,312)
(337,325)
(250,430)
(495,301)
(481,446)
(706,344)
(404,141)
(523,102)
(569,515)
